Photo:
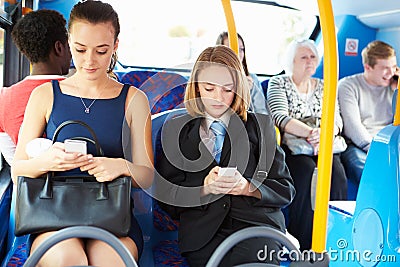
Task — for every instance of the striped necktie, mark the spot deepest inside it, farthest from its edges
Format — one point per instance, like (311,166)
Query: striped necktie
(219,131)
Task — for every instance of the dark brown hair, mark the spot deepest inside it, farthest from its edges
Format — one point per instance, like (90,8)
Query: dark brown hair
(220,41)
(96,12)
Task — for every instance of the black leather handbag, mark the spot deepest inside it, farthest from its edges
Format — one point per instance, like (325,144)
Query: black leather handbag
(51,203)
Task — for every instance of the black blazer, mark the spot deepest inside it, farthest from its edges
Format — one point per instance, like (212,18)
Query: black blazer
(185,162)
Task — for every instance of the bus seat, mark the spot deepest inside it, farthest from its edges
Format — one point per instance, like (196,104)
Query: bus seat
(264,86)
(18,247)
(165,90)
(165,239)
(136,77)
(352,187)
(159,230)
(5,202)
(376,209)
(14,249)
(352,190)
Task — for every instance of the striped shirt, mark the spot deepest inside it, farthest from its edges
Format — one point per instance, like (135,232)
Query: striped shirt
(287,103)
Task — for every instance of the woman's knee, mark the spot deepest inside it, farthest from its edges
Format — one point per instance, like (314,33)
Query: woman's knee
(102,253)
(70,252)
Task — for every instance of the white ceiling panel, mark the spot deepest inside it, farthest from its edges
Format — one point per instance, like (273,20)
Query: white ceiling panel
(374,13)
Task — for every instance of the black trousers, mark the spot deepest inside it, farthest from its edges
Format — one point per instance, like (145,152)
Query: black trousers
(301,215)
(248,251)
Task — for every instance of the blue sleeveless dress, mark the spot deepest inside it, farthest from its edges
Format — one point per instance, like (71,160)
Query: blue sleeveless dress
(106,118)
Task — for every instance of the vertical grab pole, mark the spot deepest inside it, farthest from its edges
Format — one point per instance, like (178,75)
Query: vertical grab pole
(230,21)
(396,121)
(327,124)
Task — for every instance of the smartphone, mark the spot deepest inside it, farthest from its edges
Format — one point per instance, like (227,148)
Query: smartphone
(77,146)
(228,171)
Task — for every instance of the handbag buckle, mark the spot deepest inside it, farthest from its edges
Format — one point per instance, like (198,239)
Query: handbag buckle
(257,181)
(74,180)
(261,175)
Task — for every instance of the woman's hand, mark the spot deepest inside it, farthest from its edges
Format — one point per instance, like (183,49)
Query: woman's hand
(234,185)
(105,169)
(56,159)
(313,139)
(313,136)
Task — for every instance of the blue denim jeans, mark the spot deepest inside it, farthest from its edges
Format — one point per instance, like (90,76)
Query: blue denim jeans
(353,160)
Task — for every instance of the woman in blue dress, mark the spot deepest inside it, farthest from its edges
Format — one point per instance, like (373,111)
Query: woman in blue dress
(116,113)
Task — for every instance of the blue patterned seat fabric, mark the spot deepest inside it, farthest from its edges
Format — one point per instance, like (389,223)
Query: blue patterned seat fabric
(165,90)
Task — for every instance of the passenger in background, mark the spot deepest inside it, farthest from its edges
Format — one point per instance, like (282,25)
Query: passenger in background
(292,97)
(113,110)
(220,132)
(42,37)
(258,102)
(366,104)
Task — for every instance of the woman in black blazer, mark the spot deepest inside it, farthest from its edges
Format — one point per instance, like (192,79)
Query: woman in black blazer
(209,206)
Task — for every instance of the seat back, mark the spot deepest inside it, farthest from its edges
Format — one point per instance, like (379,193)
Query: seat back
(264,85)
(374,225)
(5,203)
(162,221)
(165,234)
(18,247)
(14,248)
(165,90)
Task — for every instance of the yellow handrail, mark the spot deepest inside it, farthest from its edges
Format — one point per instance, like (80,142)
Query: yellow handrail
(230,21)
(328,113)
(234,42)
(396,120)
(327,124)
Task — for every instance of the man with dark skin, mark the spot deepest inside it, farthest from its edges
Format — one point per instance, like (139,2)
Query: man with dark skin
(42,37)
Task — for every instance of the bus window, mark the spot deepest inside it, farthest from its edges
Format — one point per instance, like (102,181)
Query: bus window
(167,34)
(5,10)
(1,55)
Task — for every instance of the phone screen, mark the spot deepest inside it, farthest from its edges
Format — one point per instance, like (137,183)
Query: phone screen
(78,146)
(228,171)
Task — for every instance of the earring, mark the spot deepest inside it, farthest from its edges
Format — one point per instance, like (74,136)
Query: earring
(114,59)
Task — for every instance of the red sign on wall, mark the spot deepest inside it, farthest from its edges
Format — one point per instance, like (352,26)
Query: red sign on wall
(351,48)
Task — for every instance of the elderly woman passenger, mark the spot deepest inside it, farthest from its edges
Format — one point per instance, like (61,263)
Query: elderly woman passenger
(292,98)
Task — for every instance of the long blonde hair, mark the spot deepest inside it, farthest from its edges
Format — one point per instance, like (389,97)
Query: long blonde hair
(223,56)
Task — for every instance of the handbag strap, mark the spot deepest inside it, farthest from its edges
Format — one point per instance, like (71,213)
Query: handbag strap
(93,134)
(47,191)
(266,142)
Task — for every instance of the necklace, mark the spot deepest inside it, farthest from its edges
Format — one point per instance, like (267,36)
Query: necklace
(87,108)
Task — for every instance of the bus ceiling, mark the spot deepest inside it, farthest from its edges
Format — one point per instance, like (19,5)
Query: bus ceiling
(373,13)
